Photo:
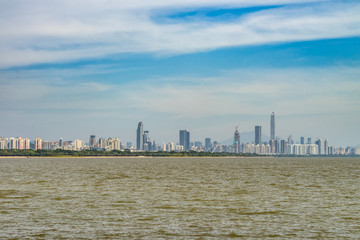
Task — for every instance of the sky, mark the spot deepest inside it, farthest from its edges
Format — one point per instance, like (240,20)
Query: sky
(70,69)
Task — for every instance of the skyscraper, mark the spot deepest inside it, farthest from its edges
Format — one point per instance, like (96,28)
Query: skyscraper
(258,135)
(140,137)
(208,144)
(146,137)
(272,126)
(236,141)
(92,141)
(302,140)
(184,139)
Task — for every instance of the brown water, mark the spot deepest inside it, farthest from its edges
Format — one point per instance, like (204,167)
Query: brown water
(180,198)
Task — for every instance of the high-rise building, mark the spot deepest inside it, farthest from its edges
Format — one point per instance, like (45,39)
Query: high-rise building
(290,141)
(3,143)
(61,142)
(272,126)
(146,137)
(283,146)
(321,146)
(302,140)
(140,137)
(184,139)
(92,141)
(277,146)
(236,145)
(38,144)
(102,142)
(27,143)
(258,135)
(78,145)
(208,144)
(309,141)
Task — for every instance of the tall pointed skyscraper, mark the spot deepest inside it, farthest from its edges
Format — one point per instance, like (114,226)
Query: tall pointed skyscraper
(236,145)
(272,126)
(140,137)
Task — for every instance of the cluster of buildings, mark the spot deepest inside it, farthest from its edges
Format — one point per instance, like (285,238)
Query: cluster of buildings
(275,146)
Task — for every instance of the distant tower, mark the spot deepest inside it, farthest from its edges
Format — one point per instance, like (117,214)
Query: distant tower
(302,140)
(184,139)
(236,141)
(258,135)
(140,137)
(208,144)
(272,126)
(146,137)
(92,141)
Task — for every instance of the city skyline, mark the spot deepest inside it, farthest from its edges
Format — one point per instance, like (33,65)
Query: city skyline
(143,141)
(142,137)
(71,69)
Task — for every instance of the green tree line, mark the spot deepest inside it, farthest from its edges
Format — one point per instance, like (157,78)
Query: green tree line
(84,153)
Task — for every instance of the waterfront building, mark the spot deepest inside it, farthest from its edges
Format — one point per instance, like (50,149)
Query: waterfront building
(146,137)
(140,137)
(277,146)
(236,145)
(283,147)
(272,126)
(3,143)
(102,142)
(113,144)
(208,144)
(12,143)
(20,143)
(326,147)
(272,146)
(48,145)
(92,141)
(322,146)
(258,135)
(78,145)
(197,144)
(184,139)
(38,144)
(313,149)
(27,143)
(290,141)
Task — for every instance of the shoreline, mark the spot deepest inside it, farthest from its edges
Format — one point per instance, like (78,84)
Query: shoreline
(2,157)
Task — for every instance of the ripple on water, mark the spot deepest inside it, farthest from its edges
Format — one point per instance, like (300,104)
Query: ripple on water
(190,198)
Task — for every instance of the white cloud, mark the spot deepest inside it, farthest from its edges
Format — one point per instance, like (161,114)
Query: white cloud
(290,91)
(327,107)
(48,31)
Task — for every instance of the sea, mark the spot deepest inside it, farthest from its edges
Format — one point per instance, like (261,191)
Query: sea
(180,198)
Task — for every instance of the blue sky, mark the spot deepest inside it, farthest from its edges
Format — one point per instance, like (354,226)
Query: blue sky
(71,69)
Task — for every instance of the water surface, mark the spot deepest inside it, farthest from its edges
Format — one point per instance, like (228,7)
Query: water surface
(180,198)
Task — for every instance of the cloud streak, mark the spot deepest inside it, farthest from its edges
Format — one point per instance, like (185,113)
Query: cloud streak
(52,31)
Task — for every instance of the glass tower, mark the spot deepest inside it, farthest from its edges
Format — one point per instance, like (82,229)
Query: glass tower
(140,137)
(272,126)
